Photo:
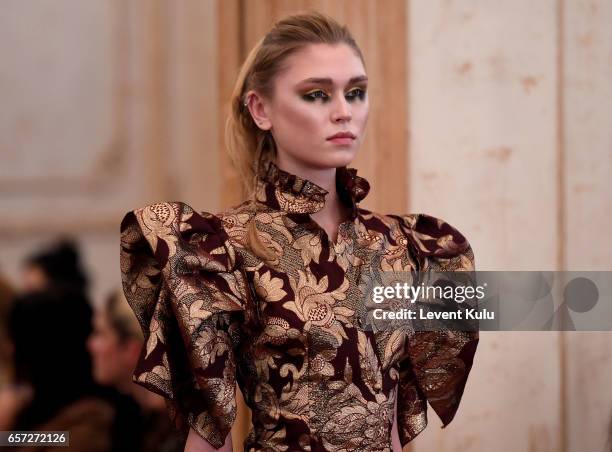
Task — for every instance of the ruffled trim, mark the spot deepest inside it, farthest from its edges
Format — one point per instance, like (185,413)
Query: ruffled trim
(172,240)
(437,362)
(181,276)
(291,183)
(435,243)
(282,190)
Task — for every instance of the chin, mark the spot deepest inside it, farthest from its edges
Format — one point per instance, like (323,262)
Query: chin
(336,158)
(343,158)
(100,378)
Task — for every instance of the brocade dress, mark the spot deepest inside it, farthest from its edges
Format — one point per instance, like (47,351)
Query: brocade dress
(288,331)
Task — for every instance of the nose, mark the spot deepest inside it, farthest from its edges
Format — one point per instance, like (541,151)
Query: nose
(341,110)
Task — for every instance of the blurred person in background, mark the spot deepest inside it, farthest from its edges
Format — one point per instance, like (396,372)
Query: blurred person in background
(6,298)
(53,386)
(57,265)
(115,346)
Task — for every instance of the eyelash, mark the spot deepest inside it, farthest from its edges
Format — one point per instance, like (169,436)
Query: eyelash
(310,97)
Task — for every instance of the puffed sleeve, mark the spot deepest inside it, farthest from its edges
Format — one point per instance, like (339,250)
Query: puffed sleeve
(435,364)
(182,278)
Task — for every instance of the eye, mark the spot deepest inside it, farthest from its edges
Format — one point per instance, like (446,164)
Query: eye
(356,93)
(314,95)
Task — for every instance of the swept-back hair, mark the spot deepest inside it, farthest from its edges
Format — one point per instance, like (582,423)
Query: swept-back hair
(249,146)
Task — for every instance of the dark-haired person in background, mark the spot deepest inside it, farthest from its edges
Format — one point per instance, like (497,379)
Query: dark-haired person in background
(53,383)
(6,298)
(58,265)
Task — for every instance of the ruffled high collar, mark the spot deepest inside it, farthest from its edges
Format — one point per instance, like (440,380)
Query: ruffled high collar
(282,190)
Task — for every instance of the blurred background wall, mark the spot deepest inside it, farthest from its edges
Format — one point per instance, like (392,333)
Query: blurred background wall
(494,115)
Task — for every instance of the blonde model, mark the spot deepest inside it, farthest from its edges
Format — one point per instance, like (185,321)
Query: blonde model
(267,294)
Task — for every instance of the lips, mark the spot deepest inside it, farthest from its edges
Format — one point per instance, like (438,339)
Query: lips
(342,135)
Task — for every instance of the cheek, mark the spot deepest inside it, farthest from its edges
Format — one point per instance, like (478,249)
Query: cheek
(299,120)
(33,279)
(360,115)
(100,350)
(103,350)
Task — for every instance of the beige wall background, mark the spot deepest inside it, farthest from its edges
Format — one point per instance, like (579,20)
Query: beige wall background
(492,114)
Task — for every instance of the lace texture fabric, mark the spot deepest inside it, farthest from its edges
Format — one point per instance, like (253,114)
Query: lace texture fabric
(287,331)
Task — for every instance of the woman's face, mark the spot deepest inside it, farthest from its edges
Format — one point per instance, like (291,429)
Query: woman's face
(321,91)
(33,278)
(113,361)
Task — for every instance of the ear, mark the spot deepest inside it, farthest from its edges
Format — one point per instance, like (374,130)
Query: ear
(258,107)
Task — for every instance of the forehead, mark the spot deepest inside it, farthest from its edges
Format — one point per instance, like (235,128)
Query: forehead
(338,62)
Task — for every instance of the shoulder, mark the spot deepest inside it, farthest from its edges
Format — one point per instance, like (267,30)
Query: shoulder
(169,248)
(91,414)
(437,242)
(169,230)
(173,216)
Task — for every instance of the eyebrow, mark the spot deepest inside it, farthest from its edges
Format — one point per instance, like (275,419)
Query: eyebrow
(328,81)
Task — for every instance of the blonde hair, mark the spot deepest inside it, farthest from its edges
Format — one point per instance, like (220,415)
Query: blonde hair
(121,317)
(249,146)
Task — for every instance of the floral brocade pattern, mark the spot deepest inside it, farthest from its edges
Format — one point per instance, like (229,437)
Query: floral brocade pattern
(288,331)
